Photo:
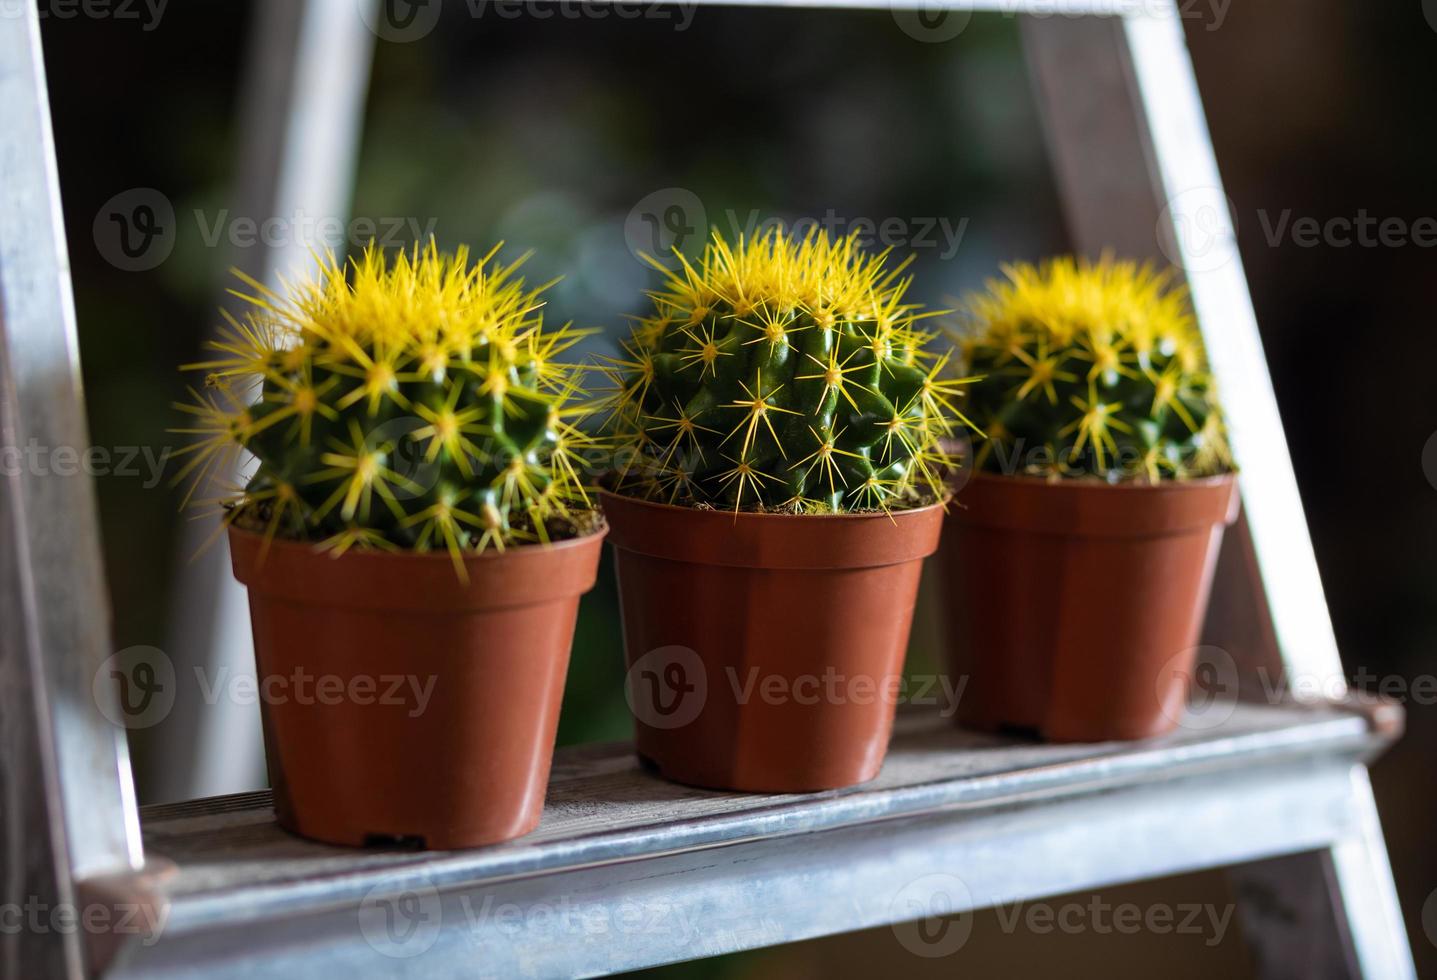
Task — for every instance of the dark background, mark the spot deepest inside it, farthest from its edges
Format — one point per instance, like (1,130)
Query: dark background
(549,133)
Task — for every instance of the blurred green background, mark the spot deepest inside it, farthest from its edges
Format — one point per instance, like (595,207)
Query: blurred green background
(557,134)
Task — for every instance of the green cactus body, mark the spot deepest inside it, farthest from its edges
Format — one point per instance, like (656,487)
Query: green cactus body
(783,375)
(1092,370)
(412,403)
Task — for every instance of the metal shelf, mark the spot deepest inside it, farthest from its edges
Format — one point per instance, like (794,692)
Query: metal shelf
(628,871)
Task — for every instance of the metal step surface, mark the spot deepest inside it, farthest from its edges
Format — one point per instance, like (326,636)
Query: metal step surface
(239,896)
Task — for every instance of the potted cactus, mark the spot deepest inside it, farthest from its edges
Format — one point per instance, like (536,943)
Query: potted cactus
(413,537)
(1080,552)
(778,423)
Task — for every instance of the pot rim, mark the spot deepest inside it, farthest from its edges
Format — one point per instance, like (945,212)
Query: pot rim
(792,542)
(1093,483)
(470,558)
(757,515)
(417,582)
(1085,508)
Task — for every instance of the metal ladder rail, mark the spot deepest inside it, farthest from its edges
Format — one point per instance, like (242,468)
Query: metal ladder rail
(68,807)
(1137,173)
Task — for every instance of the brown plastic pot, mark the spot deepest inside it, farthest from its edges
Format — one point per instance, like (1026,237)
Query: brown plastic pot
(401,705)
(765,650)
(1075,607)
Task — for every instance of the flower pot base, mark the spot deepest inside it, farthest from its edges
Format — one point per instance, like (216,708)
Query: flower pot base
(401,705)
(759,779)
(426,837)
(1075,607)
(761,647)
(1072,734)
